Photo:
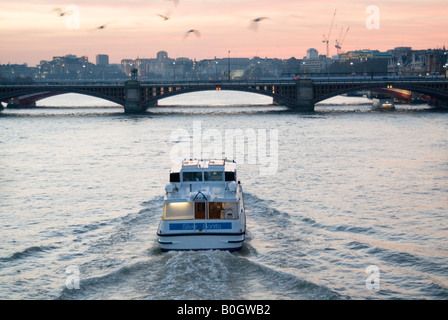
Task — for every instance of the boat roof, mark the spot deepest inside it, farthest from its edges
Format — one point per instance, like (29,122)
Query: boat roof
(214,164)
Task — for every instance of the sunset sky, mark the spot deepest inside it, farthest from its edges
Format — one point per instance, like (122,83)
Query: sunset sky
(30,31)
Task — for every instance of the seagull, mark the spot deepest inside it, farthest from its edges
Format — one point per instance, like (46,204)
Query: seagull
(254,23)
(196,32)
(163,17)
(61,13)
(103,26)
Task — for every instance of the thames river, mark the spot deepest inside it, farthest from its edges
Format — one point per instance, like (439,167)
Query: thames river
(354,205)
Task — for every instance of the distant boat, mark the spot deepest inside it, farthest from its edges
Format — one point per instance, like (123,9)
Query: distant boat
(203,207)
(383,104)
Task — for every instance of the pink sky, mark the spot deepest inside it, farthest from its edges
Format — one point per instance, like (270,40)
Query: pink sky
(30,32)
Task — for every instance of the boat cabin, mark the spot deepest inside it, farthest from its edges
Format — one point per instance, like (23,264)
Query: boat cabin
(202,189)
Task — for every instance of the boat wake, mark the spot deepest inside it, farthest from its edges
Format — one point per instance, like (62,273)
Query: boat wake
(198,275)
(251,273)
(28,252)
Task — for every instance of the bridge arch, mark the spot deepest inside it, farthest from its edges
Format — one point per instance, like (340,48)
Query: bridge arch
(37,94)
(151,101)
(436,93)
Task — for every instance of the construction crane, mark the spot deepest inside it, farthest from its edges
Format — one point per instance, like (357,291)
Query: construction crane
(327,38)
(341,40)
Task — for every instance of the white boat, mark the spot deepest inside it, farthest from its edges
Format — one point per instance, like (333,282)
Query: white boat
(203,207)
(383,104)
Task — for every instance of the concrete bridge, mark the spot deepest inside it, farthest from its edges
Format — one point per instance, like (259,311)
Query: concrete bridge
(297,94)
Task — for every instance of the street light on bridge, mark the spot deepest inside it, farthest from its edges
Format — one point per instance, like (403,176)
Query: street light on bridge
(134,72)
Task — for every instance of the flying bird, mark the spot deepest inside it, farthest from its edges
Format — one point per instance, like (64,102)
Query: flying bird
(163,17)
(196,32)
(60,12)
(103,26)
(254,23)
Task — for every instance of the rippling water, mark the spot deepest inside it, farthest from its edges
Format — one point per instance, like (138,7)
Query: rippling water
(354,188)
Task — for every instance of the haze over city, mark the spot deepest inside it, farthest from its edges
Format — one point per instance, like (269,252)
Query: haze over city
(31,31)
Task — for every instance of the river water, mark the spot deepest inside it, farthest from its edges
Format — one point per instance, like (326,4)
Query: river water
(355,205)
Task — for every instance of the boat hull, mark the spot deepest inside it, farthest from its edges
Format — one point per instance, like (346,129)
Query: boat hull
(383,104)
(194,241)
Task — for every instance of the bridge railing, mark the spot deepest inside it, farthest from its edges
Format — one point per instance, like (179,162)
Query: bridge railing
(219,82)
(62,83)
(283,81)
(380,79)
(261,82)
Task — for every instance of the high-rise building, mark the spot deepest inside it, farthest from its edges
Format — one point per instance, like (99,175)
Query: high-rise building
(102,60)
(312,53)
(162,55)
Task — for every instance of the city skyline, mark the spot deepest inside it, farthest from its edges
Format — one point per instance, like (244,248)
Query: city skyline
(32,30)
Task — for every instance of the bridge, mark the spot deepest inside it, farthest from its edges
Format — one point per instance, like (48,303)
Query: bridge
(297,94)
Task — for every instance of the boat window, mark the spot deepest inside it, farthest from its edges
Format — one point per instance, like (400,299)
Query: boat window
(222,210)
(178,211)
(175,177)
(215,210)
(230,176)
(213,176)
(192,176)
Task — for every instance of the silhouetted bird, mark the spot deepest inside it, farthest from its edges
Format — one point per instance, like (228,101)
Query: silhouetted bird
(196,32)
(254,23)
(60,12)
(166,16)
(103,26)
(163,17)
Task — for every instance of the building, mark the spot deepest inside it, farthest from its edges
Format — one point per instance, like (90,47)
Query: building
(17,72)
(102,60)
(313,62)
(65,67)
(405,61)
(127,65)
(363,55)
(162,55)
(312,54)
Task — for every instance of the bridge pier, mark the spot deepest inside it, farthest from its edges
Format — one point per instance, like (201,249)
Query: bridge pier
(440,104)
(153,104)
(277,101)
(132,97)
(304,96)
